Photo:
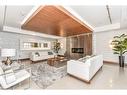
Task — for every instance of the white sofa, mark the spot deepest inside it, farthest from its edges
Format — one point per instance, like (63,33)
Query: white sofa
(41,55)
(85,68)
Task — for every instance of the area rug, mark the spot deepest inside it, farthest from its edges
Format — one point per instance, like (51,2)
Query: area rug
(45,75)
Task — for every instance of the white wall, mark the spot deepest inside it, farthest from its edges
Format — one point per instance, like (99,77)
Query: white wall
(101,42)
(12,40)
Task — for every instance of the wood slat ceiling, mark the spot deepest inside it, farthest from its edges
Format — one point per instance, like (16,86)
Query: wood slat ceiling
(55,20)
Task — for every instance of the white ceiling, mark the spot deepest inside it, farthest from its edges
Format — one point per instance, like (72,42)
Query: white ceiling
(115,12)
(16,14)
(96,16)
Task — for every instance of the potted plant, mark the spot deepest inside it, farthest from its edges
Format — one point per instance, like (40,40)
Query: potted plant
(56,46)
(119,46)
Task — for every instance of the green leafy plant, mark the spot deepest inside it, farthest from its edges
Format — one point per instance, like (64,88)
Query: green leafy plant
(119,44)
(56,46)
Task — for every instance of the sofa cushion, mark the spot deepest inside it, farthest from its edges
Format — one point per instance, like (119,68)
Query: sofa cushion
(85,58)
(44,53)
(82,60)
(9,76)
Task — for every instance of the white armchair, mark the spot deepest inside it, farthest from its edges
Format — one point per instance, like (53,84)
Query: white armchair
(13,79)
(85,70)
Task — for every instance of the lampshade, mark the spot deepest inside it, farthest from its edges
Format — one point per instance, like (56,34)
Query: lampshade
(7,52)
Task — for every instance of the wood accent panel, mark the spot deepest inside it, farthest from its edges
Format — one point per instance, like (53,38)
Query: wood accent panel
(33,14)
(55,20)
(82,41)
(68,13)
(88,44)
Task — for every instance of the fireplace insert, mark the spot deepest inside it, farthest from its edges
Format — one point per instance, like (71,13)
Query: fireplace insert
(77,50)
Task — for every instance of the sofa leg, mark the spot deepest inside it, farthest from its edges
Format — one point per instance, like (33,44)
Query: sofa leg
(89,82)
(32,62)
(101,67)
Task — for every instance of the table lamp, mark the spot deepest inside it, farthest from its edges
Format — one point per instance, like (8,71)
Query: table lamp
(8,53)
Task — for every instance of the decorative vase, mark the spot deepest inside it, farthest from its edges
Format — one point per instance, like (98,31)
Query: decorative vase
(121,61)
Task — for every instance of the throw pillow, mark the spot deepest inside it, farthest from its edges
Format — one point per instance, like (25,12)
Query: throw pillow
(50,53)
(37,54)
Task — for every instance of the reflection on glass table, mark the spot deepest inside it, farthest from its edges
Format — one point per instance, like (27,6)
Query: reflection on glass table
(14,74)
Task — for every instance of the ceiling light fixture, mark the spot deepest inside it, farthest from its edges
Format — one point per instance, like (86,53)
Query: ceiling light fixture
(109,15)
(5,10)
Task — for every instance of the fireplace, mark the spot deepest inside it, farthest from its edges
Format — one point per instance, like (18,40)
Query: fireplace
(77,50)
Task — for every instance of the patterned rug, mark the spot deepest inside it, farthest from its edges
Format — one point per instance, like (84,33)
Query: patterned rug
(45,75)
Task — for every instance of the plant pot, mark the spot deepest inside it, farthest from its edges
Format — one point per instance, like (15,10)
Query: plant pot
(121,61)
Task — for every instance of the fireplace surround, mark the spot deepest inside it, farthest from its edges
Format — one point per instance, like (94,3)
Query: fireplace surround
(79,46)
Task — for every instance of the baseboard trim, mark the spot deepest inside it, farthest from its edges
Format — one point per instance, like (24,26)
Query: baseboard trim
(110,62)
(21,59)
(38,61)
(24,59)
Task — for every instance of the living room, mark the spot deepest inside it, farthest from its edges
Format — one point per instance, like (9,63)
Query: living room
(53,57)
